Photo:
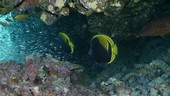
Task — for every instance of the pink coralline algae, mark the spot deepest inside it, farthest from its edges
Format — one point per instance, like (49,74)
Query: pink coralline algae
(31,70)
(39,77)
(63,70)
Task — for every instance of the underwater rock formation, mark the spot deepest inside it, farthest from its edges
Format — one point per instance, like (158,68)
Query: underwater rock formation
(46,76)
(147,79)
(114,17)
(37,77)
(129,20)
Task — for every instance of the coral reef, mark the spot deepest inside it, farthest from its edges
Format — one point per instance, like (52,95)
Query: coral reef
(46,76)
(37,77)
(146,80)
(145,73)
(115,17)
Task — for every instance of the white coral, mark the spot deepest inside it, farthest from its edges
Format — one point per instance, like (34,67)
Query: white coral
(92,5)
(116,4)
(60,3)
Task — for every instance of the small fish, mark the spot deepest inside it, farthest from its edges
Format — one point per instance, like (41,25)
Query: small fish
(66,42)
(5,10)
(21,17)
(157,27)
(103,49)
(5,24)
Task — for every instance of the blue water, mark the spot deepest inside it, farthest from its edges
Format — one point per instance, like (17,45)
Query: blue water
(8,49)
(21,38)
(33,36)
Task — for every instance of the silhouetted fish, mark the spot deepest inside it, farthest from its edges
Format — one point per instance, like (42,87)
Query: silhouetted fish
(103,49)
(157,27)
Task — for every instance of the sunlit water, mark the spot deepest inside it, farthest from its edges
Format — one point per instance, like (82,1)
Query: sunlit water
(21,38)
(8,50)
(33,36)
